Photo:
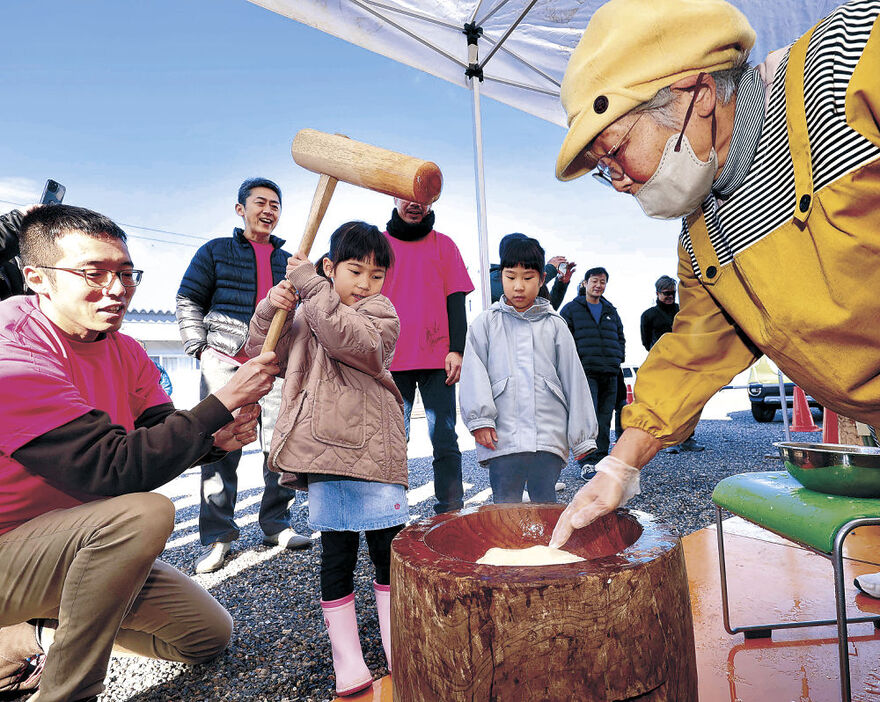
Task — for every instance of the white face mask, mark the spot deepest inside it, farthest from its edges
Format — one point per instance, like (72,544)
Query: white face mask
(680,183)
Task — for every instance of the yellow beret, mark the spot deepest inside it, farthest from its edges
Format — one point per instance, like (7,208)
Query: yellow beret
(633,48)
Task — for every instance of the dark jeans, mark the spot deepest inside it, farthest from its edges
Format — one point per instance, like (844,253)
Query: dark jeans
(619,404)
(220,491)
(339,551)
(510,474)
(603,388)
(220,479)
(439,401)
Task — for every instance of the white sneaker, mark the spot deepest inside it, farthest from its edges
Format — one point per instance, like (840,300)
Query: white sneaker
(212,557)
(869,584)
(559,487)
(287,538)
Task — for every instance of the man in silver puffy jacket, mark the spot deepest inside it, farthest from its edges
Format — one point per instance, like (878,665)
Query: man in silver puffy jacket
(218,294)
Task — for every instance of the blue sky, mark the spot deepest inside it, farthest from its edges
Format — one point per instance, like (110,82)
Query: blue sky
(153,113)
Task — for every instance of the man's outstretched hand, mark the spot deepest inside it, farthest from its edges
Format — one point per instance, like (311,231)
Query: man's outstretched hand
(241,431)
(615,482)
(251,381)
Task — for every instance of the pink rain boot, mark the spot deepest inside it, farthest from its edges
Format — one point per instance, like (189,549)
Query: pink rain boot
(352,674)
(383,609)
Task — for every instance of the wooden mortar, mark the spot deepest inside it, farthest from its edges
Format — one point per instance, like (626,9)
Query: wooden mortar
(615,627)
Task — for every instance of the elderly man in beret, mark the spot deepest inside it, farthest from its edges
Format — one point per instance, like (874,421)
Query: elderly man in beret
(775,171)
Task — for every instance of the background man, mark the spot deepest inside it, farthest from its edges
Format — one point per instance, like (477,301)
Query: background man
(85,425)
(598,336)
(657,321)
(216,300)
(427,285)
(779,188)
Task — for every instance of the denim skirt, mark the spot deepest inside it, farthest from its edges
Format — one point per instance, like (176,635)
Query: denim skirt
(337,503)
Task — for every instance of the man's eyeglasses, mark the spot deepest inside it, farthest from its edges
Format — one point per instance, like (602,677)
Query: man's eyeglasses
(101,278)
(607,169)
(667,293)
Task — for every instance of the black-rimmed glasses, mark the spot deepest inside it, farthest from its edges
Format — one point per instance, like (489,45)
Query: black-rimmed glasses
(102,278)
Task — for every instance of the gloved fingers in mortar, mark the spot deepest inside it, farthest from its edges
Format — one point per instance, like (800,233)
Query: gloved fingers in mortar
(613,485)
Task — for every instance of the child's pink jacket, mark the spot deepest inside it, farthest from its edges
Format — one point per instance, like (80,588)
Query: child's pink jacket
(341,412)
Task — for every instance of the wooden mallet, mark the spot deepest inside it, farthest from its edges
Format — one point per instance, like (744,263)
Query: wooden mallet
(336,157)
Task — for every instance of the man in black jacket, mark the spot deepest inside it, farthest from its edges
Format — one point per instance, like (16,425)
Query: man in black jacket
(598,336)
(216,300)
(656,321)
(87,433)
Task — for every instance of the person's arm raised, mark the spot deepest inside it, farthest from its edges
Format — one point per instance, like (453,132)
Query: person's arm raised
(92,455)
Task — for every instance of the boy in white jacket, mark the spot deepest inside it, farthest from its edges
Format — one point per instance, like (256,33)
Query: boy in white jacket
(524,395)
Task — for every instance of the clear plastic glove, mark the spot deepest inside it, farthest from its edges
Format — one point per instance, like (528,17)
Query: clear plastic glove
(613,485)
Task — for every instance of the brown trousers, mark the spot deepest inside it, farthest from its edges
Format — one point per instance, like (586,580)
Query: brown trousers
(93,568)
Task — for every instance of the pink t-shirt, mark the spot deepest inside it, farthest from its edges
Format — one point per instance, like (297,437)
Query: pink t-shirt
(424,273)
(48,380)
(263,253)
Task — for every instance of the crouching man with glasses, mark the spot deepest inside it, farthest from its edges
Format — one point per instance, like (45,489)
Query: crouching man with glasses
(87,433)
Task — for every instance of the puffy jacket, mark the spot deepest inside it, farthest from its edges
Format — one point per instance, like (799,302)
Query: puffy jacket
(11,279)
(218,293)
(521,376)
(341,413)
(601,347)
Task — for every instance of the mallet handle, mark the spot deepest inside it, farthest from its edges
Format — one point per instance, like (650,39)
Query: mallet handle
(323,193)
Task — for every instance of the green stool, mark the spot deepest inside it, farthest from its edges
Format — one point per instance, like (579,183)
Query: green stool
(817,521)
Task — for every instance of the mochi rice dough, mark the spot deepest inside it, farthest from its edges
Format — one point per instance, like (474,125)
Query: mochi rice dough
(532,556)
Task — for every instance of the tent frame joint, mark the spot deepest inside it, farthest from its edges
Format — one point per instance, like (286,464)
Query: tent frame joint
(473,34)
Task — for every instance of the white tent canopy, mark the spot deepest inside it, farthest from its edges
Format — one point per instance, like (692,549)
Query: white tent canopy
(521,47)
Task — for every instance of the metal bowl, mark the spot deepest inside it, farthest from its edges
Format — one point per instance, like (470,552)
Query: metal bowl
(852,471)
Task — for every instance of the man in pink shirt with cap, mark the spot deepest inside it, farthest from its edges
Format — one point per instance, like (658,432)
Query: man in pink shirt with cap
(427,284)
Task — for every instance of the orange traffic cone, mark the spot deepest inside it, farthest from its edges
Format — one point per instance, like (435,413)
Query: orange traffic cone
(802,419)
(830,432)
(629,394)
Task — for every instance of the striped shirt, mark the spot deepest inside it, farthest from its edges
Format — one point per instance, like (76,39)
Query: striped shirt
(755,191)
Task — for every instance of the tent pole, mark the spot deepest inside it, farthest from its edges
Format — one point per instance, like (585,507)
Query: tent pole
(475,76)
(480,181)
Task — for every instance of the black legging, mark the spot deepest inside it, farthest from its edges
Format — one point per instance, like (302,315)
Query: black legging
(339,551)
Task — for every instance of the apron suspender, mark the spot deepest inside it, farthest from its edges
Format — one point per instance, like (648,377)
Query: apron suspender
(799,145)
(796,120)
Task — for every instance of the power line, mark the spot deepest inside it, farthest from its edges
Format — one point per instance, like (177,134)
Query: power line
(138,226)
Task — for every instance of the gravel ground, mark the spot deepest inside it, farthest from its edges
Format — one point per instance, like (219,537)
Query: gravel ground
(280,651)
